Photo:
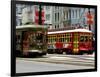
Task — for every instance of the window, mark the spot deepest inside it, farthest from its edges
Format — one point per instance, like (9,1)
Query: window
(79,12)
(81,38)
(90,38)
(58,26)
(48,17)
(19,10)
(56,7)
(76,13)
(48,40)
(84,38)
(73,13)
(68,15)
(39,36)
(47,7)
(55,26)
(55,17)
(20,21)
(18,42)
(58,16)
(67,39)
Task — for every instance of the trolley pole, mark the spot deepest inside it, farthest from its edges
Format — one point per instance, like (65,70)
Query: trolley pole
(40,15)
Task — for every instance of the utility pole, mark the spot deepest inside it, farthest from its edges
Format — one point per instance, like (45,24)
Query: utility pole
(40,15)
(89,24)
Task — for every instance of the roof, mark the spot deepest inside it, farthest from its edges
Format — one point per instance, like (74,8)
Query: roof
(75,30)
(30,26)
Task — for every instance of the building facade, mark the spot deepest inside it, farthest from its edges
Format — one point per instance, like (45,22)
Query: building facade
(19,9)
(55,17)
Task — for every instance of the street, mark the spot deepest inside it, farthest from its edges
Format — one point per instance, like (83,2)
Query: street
(54,62)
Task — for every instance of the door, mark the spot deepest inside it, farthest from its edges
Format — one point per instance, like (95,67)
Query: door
(75,43)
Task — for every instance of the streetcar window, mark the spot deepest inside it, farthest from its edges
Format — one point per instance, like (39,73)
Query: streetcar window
(18,42)
(24,35)
(39,36)
(90,38)
(50,40)
(67,39)
(32,40)
(62,39)
(17,38)
(81,38)
(86,38)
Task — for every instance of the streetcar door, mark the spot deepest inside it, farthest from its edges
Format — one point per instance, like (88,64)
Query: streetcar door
(75,43)
(25,42)
(41,40)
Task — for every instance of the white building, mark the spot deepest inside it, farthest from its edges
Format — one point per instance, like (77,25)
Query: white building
(55,16)
(27,14)
(19,9)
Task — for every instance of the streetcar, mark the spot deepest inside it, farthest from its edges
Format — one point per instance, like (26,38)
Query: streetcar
(76,41)
(31,40)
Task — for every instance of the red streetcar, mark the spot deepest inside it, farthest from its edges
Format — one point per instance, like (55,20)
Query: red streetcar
(76,41)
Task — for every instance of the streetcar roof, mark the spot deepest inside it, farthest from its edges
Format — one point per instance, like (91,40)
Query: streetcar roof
(30,26)
(75,30)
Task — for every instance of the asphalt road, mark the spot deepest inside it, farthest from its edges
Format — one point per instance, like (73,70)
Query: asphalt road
(53,62)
